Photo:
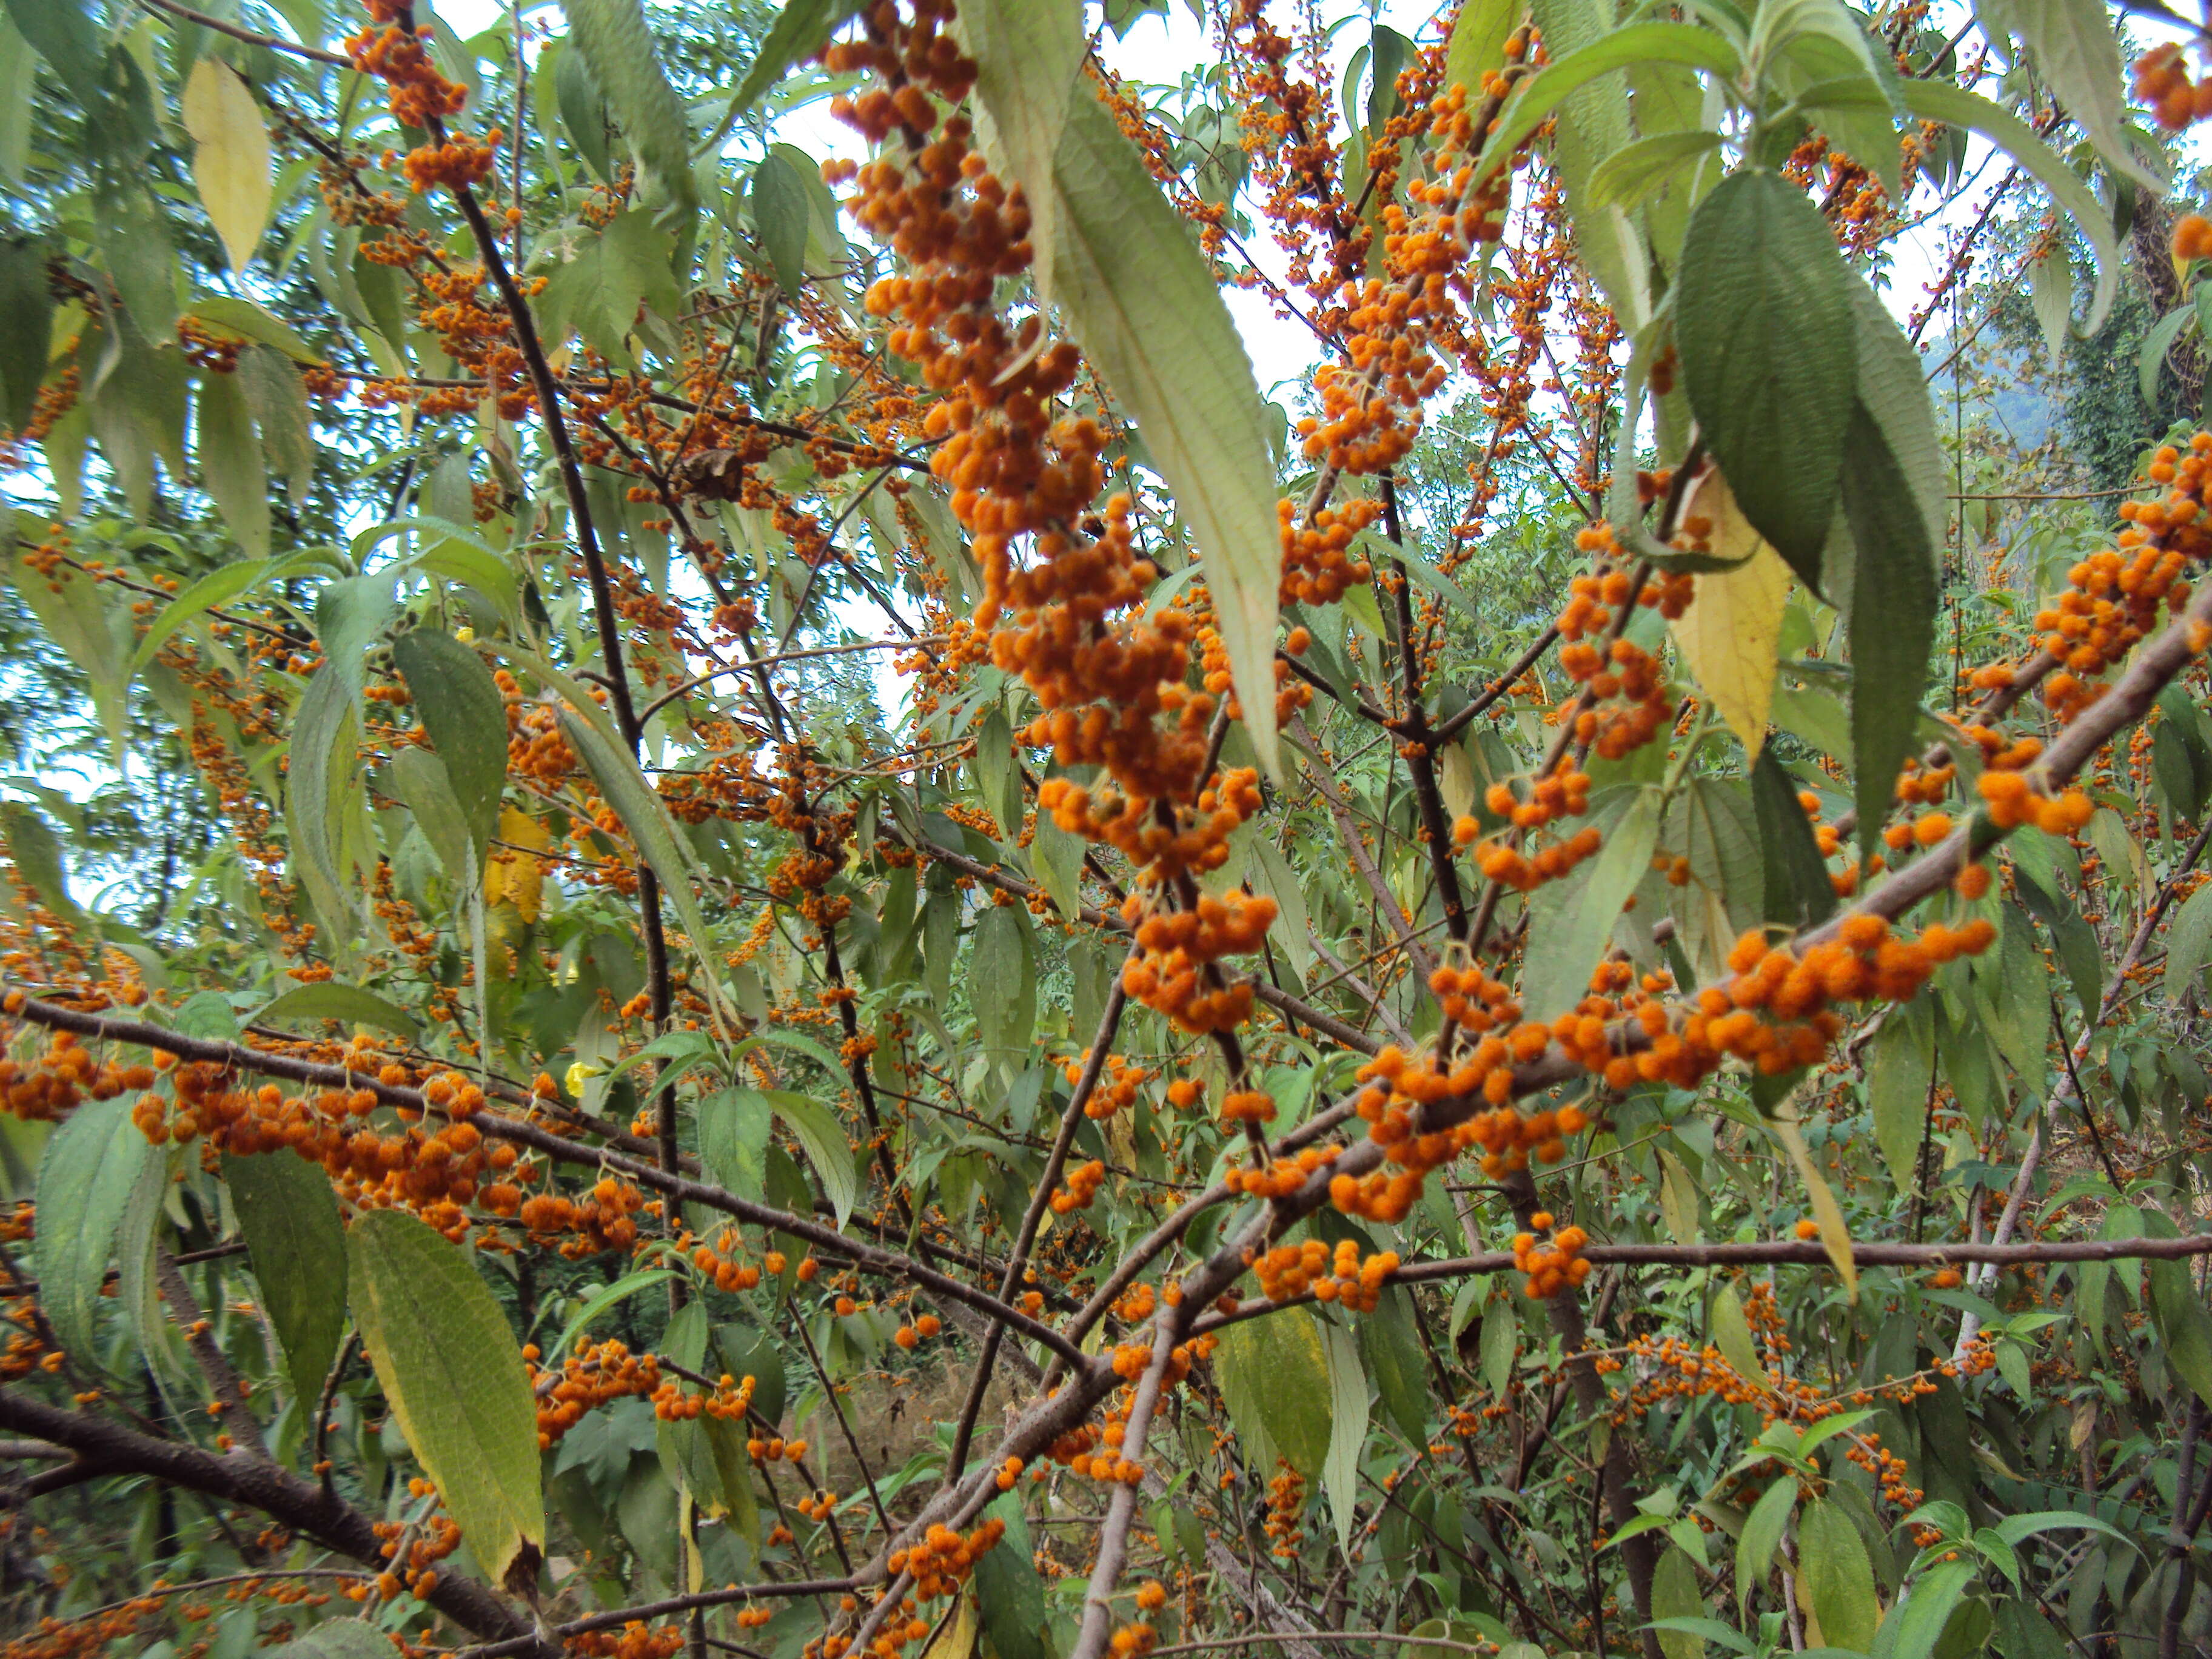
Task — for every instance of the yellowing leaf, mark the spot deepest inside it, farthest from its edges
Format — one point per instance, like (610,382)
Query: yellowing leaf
(230,163)
(518,877)
(1729,635)
(1828,1214)
(955,1635)
(448,1363)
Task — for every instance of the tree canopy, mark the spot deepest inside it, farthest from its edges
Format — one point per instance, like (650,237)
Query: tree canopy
(743,913)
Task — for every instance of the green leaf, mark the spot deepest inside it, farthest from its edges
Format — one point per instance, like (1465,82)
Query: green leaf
(417,778)
(1732,1336)
(1634,171)
(1798,891)
(1892,621)
(1347,1428)
(135,245)
(62,32)
(1056,856)
(1274,1378)
(647,819)
(26,321)
(329,999)
(781,218)
(1676,1595)
(1392,1349)
(451,1369)
(1499,1342)
(2079,55)
(1763,322)
(597,293)
(1476,46)
(614,42)
(69,607)
(460,706)
(229,456)
(1893,394)
(2051,296)
(1009,1590)
(1635,43)
(1914,1625)
(734,1126)
(1836,1576)
(1762,1531)
(799,30)
(1119,262)
(36,852)
(583,108)
(2157,346)
(1900,1065)
(339,1639)
(2189,943)
(252,322)
(624,1288)
(828,1149)
(90,1166)
(1004,986)
(215,589)
(322,725)
(749,1352)
(1571,921)
(290,1218)
(1937,100)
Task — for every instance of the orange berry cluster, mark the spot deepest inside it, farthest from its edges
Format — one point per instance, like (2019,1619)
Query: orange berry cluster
(1135,1638)
(636,1640)
(718,1262)
(1286,1503)
(2013,801)
(63,1074)
(1174,972)
(2163,82)
(730,1400)
(588,1378)
(941,1562)
(1549,1271)
(1291,1270)
(1110,679)
(1116,1087)
(418,94)
(1318,568)
(907,1336)
(1284,1176)
(1083,1183)
(2193,237)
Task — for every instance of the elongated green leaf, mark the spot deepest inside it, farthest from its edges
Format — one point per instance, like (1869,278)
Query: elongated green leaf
(289,1218)
(1937,99)
(64,34)
(1762,322)
(1892,620)
(1347,1428)
(26,314)
(1009,1590)
(799,30)
(217,588)
(1004,988)
(1498,1344)
(321,725)
(230,457)
(450,1366)
(628,1285)
(252,322)
(1899,1067)
(1919,1620)
(780,217)
(2079,57)
(1762,1531)
(135,245)
(85,1180)
(1676,1595)
(1836,1576)
(616,43)
(734,1126)
(1798,891)
(329,999)
(36,852)
(1391,1346)
(1274,1377)
(1894,392)
(828,1148)
(1570,938)
(1119,262)
(1476,46)
(460,705)
(1732,1336)
(1632,173)
(642,814)
(1636,43)
(2189,943)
